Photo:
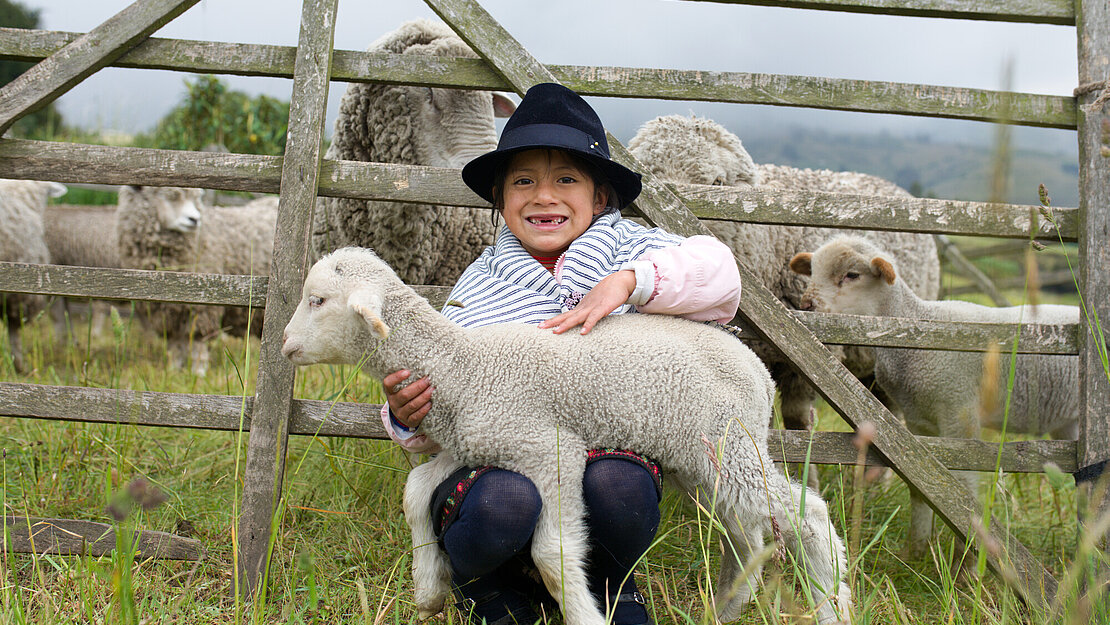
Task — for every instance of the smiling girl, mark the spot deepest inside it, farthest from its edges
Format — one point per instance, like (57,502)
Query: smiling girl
(564,258)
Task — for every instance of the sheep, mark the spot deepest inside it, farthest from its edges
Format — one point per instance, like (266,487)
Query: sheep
(711,400)
(436,127)
(22,203)
(941,393)
(694,150)
(81,236)
(169,228)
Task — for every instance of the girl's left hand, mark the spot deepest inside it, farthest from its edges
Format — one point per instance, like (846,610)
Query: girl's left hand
(608,295)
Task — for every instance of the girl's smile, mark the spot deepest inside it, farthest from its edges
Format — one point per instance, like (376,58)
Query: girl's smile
(548,201)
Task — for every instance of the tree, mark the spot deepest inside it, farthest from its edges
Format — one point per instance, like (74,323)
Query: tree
(214,115)
(44,122)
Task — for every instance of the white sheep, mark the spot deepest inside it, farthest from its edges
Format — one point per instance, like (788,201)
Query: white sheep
(22,203)
(693,150)
(168,228)
(941,393)
(426,244)
(709,396)
(81,236)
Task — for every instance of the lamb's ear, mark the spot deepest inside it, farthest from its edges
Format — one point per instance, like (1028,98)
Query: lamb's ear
(368,304)
(881,267)
(502,106)
(802,263)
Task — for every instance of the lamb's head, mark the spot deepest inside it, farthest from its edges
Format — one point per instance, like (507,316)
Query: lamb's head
(847,275)
(340,313)
(453,126)
(693,150)
(176,209)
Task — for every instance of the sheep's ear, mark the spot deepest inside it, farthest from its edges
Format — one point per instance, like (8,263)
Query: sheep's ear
(802,263)
(502,106)
(368,305)
(881,267)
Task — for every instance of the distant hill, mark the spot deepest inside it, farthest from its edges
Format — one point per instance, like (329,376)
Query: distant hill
(923,166)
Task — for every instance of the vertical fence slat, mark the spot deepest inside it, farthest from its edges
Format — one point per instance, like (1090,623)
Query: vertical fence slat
(60,71)
(1093,37)
(769,317)
(299,177)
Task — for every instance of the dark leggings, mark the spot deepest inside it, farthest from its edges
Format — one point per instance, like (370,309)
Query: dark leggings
(495,523)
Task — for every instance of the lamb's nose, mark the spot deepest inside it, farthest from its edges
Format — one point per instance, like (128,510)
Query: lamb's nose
(806,304)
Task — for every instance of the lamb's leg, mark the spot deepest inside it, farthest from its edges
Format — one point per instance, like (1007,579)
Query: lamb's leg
(559,543)
(816,547)
(796,404)
(431,573)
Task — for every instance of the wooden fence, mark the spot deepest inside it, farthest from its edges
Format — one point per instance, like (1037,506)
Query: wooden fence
(302,174)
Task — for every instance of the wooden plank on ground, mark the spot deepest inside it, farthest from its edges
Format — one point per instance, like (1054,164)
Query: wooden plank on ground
(1037,11)
(72,537)
(66,162)
(57,73)
(948,496)
(232,413)
(1093,30)
(873,96)
(300,174)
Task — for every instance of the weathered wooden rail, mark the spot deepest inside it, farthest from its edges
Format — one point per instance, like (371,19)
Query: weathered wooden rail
(300,175)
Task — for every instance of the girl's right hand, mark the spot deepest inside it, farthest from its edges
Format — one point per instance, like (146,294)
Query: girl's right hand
(409,404)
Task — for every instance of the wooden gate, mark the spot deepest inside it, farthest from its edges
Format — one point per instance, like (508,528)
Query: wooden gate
(123,40)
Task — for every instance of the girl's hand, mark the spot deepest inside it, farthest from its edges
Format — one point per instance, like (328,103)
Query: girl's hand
(410,404)
(609,294)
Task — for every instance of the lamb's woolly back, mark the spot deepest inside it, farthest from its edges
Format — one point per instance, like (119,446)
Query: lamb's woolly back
(425,244)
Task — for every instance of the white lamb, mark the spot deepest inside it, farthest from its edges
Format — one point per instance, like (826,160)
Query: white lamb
(169,228)
(705,388)
(693,150)
(22,203)
(426,244)
(940,392)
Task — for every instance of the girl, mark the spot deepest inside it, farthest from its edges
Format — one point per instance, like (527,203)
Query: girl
(563,259)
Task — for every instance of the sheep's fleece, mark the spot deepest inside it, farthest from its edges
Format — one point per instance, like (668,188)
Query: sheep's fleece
(169,228)
(707,393)
(22,203)
(426,244)
(941,393)
(693,150)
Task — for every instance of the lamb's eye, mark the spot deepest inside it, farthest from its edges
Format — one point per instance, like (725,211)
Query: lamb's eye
(315,301)
(850,276)
(718,182)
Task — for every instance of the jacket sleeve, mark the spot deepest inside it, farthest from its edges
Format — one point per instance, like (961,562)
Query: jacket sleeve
(410,441)
(697,279)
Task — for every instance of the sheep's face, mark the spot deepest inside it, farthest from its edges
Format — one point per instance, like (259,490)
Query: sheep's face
(179,210)
(691,150)
(844,279)
(337,318)
(457,125)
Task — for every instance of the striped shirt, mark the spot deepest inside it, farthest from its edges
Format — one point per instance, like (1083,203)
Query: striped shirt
(507,284)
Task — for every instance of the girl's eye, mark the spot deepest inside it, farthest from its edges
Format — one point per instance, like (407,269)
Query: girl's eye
(522,181)
(567,179)
(315,301)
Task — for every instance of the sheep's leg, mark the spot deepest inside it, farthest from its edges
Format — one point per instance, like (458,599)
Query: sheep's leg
(796,399)
(816,547)
(559,543)
(15,343)
(745,534)
(431,573)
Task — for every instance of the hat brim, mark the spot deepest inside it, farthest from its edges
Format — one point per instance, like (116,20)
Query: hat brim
(479,173)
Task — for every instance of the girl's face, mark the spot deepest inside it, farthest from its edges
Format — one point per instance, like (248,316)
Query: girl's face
(548,201)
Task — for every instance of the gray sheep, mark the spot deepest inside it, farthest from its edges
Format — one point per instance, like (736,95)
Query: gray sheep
(426,244)
(168,228)
(711,402)
(22,203)
(692,150)
(941,392)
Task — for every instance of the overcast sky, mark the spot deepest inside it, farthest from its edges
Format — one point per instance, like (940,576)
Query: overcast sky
(639,33)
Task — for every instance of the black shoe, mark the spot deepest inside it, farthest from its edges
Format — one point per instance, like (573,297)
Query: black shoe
(634,597)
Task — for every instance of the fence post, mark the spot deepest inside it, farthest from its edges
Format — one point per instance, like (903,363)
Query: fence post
(300,172)
(1093,35)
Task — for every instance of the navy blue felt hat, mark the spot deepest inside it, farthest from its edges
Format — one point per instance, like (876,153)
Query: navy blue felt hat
(552,116)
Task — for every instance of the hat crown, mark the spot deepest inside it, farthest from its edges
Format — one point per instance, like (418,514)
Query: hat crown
(548,105)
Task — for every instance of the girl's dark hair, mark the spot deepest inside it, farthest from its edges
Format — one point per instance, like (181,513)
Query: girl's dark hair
(601,182)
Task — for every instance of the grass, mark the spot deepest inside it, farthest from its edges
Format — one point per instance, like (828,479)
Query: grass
(342,552)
